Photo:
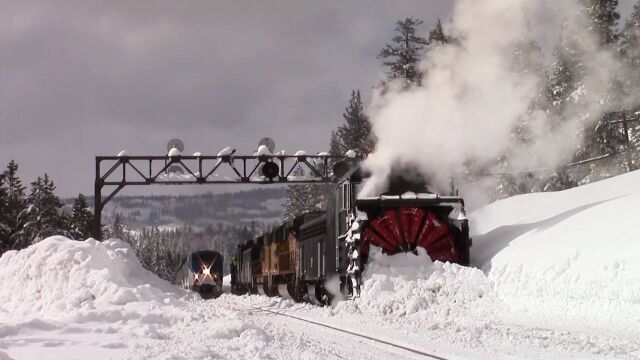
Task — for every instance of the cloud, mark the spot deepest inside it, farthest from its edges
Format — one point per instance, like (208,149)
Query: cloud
(82,78)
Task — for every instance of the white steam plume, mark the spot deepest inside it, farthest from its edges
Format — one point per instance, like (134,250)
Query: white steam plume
(471,98)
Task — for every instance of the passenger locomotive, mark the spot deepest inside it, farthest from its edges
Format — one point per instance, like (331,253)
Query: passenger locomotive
(202,273)
(306,257)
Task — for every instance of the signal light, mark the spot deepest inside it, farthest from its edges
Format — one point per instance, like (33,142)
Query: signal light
(340,169)
(270,170)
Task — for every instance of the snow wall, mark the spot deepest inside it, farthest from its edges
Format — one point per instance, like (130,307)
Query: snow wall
(568,258)
(59,277)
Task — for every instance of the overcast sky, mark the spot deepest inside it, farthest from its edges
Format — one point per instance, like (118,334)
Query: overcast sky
(86,78)
(82,78)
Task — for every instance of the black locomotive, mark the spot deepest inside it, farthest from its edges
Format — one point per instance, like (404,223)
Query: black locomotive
(322,254)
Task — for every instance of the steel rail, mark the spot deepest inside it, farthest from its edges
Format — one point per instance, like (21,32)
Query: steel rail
(335,328)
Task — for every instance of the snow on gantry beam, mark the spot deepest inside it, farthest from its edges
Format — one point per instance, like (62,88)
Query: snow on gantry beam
(117,172)
(175,169)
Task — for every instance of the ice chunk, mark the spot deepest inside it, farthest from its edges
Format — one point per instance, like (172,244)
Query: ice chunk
(123,153)
(301,153)
(197,153)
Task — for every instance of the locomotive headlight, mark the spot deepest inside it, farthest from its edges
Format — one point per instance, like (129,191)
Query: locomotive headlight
(206,270)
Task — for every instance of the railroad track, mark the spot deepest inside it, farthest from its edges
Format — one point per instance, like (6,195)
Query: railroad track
(335,328)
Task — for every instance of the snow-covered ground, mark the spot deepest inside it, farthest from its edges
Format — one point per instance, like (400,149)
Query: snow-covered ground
(558,276)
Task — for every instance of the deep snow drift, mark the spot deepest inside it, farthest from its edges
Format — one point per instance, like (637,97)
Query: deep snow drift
(569,259)
(558,276)
(59,277)
(404,284)
(566,260)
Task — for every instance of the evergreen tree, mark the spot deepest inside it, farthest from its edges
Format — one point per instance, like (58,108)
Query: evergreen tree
(159,250)
(437,36)
(117,230)
(630,52)
(630,41)
(605,137)
(566,75)
(355,134)
(565,89)
(402,56)
(81,221)
(44,212)
(336,147)
(5,243)
(601,17)
(301,198)
(15,215)
(528,62)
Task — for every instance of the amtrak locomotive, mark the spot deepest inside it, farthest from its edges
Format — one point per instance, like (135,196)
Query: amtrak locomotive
(202,273)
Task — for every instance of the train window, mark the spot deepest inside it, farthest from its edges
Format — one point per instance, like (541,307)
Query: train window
(344,194)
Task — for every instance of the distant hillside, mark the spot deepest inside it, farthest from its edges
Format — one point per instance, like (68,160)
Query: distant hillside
(259,206)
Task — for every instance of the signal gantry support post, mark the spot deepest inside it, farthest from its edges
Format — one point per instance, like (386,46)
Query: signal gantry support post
(200,170)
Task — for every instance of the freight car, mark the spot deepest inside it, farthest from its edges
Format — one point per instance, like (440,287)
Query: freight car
(322,254)
(202,273)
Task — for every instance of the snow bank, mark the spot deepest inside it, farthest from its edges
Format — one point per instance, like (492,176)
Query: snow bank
(405,283)
(569,259)
(58,276)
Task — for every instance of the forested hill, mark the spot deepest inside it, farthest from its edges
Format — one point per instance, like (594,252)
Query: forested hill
(258,207)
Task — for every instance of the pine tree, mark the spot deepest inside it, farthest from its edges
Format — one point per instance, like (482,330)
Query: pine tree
(117,230)
(44,212)
(336,147)
(528,62)
(630,41)
(630,52)
(81,220)
(355,134)
(600,18)
(437,36)
(5,243)
(566,75)
(15,216)
(301,198)
(401,58)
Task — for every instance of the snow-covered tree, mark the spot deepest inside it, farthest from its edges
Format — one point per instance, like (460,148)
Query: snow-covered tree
(527,63)
(159,250)
(438,37)
(5,244)
(117,229)
(630,52)
(15,215)
(402,56)
(81,220)
(605,136)
(336,148)
(601,17)
(44,217)
(355,133)
(301,198)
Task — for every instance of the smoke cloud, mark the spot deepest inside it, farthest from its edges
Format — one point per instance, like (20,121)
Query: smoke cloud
(471,99)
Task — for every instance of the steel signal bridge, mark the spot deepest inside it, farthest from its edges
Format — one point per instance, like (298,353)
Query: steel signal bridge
(116,172)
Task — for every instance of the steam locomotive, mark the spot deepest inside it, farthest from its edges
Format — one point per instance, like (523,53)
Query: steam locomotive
(320,255)
(202,273)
